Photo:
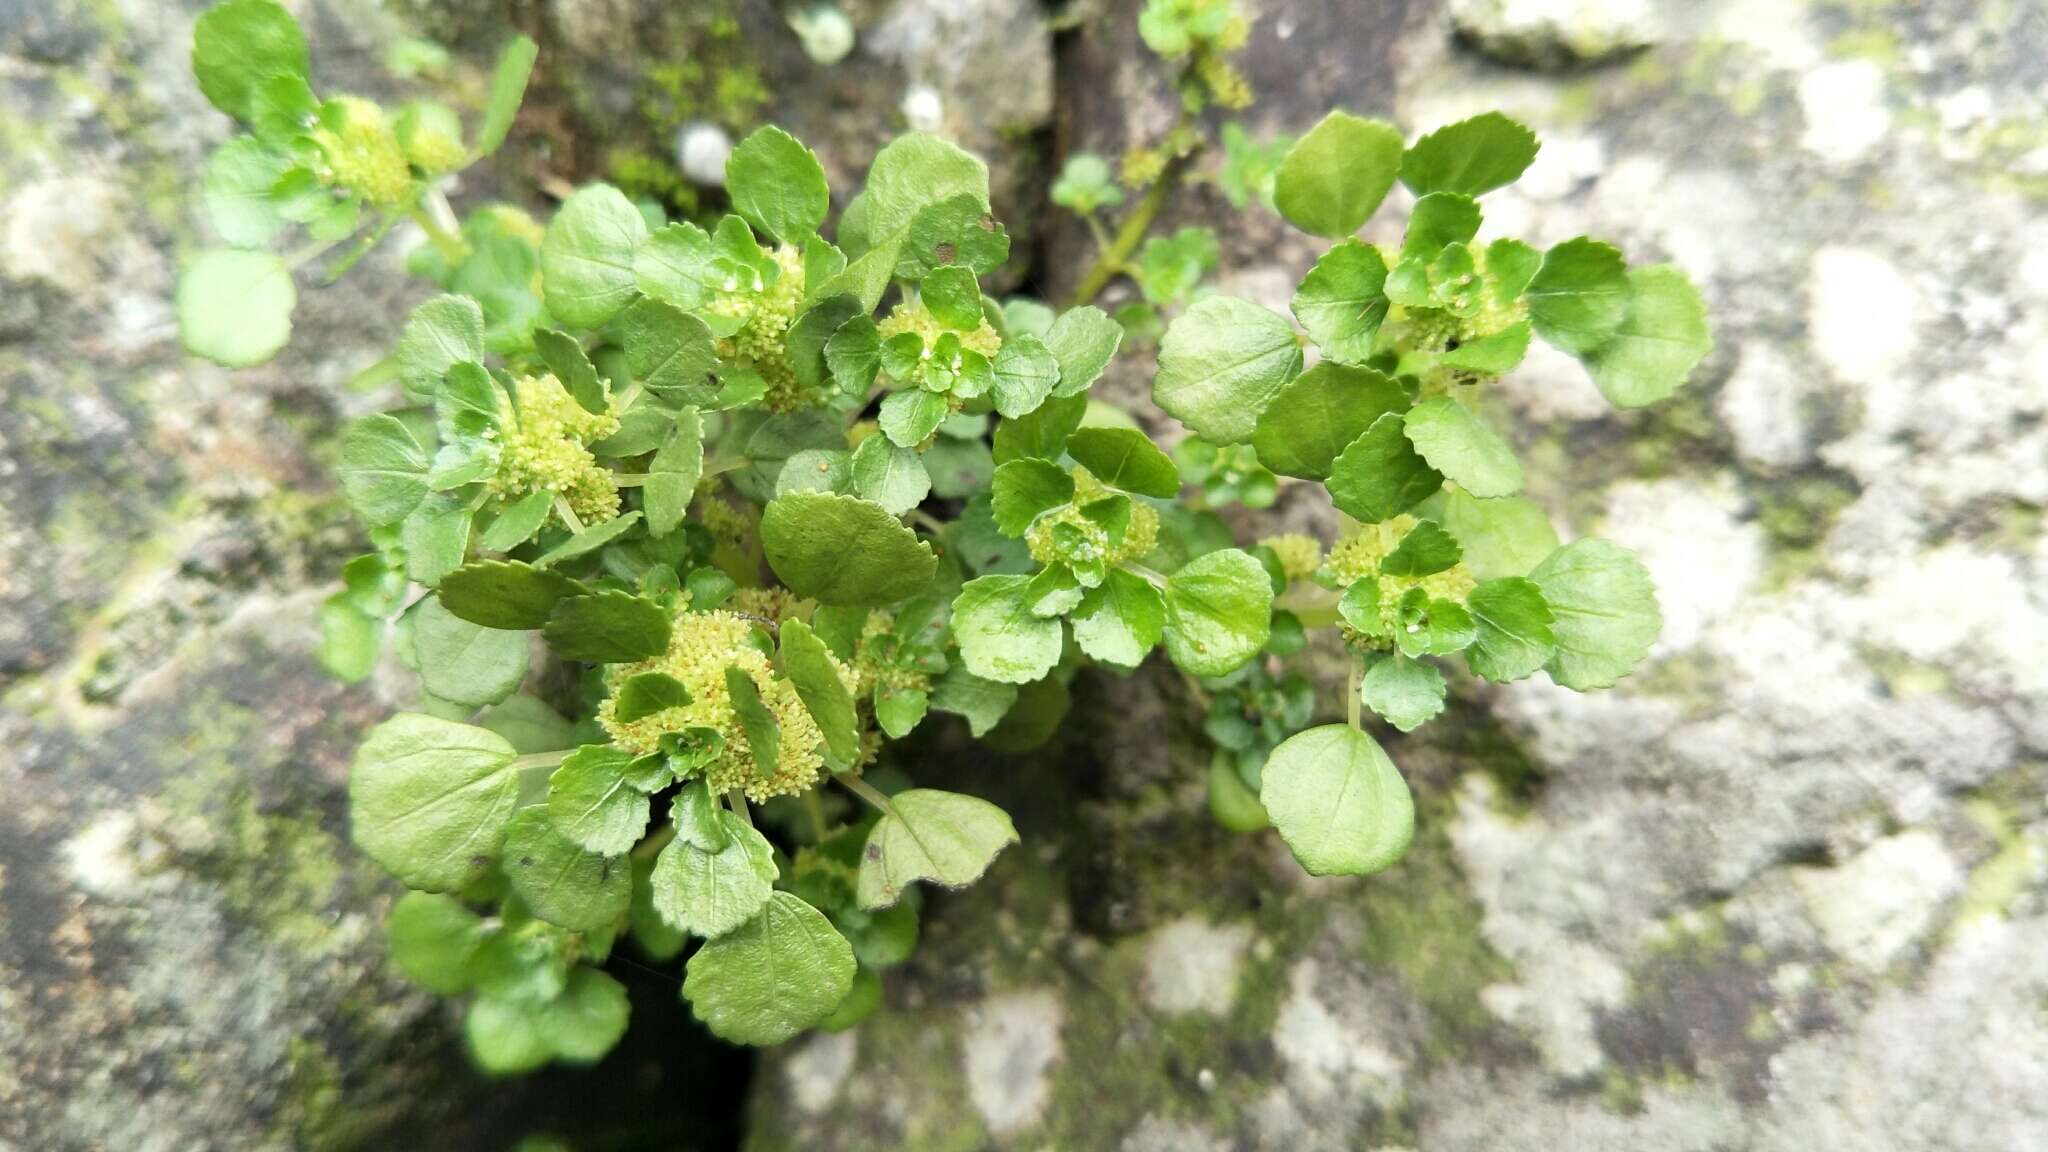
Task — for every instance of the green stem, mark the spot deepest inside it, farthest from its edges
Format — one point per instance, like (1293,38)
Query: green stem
(449,245)
(816,811)
(568,515)
(1153,575)
(738,800)
(540,760)
(930,522)
(1351,697)
(1129,234)
(865,791)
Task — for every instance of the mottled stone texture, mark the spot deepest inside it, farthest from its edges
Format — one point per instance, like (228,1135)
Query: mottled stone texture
(1783,889)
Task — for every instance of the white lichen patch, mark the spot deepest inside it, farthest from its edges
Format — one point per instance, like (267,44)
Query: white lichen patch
(1877,906)
(1160,1134)
(1763,406)
(1009,1045)
(1192,965)
(101,857)
(1860,320)
(1328,1048)
(817,1068)
(1844,105)
(1704,555)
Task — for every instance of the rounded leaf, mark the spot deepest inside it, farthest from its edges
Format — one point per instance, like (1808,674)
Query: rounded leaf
(1333,178)
(778,974)
(429,799)
(1337,801)
(843,550)
(235,307)
(1219,612)
(1221,364)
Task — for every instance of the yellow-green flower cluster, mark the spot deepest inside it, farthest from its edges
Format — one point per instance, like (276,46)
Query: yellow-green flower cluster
(702,645)
(870,667)
(1299,554)
(1358,557)
(913,316)
(432,138)
(1140,535)
(363,154)
(766,316)
(545,448)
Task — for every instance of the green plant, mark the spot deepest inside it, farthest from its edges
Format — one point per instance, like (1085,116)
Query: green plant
(769,500)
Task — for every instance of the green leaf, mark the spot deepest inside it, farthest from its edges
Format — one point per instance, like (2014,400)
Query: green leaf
(981,702)
(773,977)
(808,665)
(350,639)
(816,470)
(530,725)
(506,1036)
(1658,345)
(909,416)
(806,340)
(843,550)
(1337,801)
(518,521)
(1335,176)
(891,476)
(1120,620)
(959,468)
(591,801)
(429,799)
(1086,184)
(504,593)
(508,89)
(914,172)
(672,475)
(1511,264)
(241,45)
(763,732)
(1343,300)
(1404,691)
(1426,550)
(853,353)
(1514,630)
(953,297)
(586,258)
(1221,364)
(778,185)
(571,365)
(955,231)
(589,540)
(1024,489)
(678,265)
(1458,444)
(432,938)
(899,710)
(1494,355)
(1125,458)
(1360,606)
(1379,475)
(561,882)
(1604,610)
(435,536)
(1219,612)
(463,662)
(1440,219)
(668,351)
(383,469)
(1319,414)
(1000,638)
(1084,340)
(608,627)
(1025,373)
(235,307)
(1432,626)
(587,1019)
(239,178)
(647,693)
(1579,296)
(944,838)
(710,892)
(1504,537)
(1043,434)
(1472,156)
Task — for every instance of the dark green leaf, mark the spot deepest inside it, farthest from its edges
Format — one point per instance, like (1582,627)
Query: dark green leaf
(1472,156)
(1514,630)
(1024,489)
(608,627)
(1426,550)
(561,882)
(843,550)
(504,593)
(1380,475)
(778,185)
(429,799)
(1579,296)
(1319,414)
(1124,458)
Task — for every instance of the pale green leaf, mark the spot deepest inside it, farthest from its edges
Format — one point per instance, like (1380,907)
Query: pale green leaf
(586,258)
(1659,344)
(429,799)
(778,185)
(559,880)
(1343,300)
(1337,801)
(235,307)
(1221,364)
(778,974)
(1405,692)
(1604,610)
(711,893)
(1000,638)
(1336,175)
(1460,445)
(943,838)
(1472,156)
(1515,638)
(463,662)
(1219,612)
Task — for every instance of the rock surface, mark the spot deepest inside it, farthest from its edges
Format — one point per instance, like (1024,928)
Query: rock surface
(1784,889)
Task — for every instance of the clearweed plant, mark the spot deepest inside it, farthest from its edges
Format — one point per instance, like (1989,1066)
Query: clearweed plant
(770,500)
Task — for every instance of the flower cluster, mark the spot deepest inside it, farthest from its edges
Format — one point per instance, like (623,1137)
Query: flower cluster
(363,153)
(702,645)
(1357,557)
(546,448)
(765,309)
